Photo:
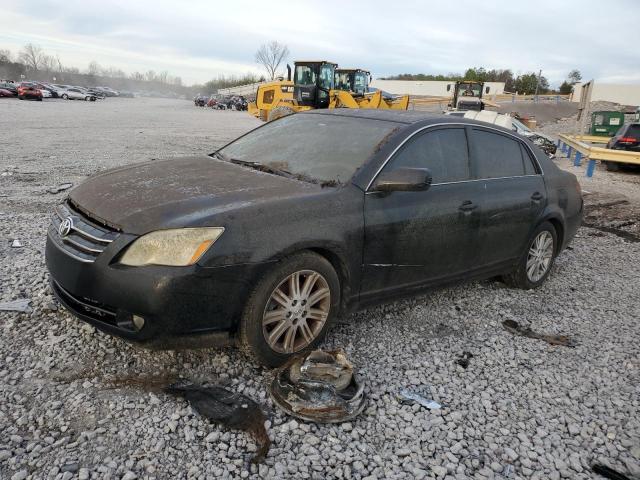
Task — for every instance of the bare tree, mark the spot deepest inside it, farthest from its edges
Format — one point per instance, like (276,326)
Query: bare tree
(162,76)
(5,56)
(94,68)
(270,56)
(32,56)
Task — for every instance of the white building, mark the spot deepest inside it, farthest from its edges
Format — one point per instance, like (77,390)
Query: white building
(624,94)
(430,88)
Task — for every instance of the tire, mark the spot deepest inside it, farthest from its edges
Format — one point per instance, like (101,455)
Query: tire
(65,96)
(20,97)
(612,166)
(309,267)
(279,112)
(520,278)
(39,99)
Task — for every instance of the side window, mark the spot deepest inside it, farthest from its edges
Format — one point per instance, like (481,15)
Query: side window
(529,166)
(496,155)
(442,151)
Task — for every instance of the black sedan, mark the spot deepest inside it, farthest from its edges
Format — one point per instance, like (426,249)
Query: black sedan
(626,138)
(303,219)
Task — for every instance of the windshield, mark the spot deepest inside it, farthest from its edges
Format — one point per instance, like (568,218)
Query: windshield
(470,90)
(343,81)
(323,149)
(304,75)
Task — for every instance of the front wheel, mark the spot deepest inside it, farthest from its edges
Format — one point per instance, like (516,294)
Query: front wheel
(65,96)
(535,265)
(290,309)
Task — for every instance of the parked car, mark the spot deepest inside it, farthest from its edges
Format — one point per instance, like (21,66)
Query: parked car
(294,223)
(99,94)
(76,93)
(6,93)
(51,91)
(11,87)
(109,92)
(29,90)
(200,100)
(626,138)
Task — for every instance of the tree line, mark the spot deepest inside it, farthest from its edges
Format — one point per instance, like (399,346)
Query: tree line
(33,63)
(526,83)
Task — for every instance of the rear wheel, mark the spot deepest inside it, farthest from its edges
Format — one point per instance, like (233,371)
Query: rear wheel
(612,166)
(279,112)
(65,96)
(290,309)
(535,265)
(20,97)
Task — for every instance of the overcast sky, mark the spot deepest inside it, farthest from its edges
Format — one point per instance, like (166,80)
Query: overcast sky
(199,40)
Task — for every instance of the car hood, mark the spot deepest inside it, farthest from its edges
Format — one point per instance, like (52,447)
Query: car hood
(177,193)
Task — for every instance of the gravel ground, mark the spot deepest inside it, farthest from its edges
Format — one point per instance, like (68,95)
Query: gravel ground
(522,409)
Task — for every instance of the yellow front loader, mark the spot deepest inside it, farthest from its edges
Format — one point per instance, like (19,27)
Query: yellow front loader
(317,84)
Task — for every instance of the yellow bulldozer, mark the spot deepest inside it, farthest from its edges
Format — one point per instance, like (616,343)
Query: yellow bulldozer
(320,84)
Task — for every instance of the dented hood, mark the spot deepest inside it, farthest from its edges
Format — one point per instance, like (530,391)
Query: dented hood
(178,193)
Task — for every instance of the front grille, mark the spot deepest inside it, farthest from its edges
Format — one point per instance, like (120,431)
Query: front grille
(85,240)
(86,306)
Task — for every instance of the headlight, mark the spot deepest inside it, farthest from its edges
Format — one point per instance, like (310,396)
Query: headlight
(177,247)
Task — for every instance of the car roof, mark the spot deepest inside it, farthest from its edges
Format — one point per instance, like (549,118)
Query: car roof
(407,117)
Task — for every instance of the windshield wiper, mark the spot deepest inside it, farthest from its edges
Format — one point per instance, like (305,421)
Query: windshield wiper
(221,156)
(261,167)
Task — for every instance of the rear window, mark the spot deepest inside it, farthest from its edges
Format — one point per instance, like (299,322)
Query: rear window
(318,148)
(634,131)
(497,155)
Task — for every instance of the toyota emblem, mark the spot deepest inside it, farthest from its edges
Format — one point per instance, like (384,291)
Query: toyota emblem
(65,227)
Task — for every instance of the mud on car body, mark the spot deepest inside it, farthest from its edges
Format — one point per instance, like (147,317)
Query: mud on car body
(270,238)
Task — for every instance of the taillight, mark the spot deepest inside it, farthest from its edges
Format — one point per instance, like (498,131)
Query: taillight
(628,140)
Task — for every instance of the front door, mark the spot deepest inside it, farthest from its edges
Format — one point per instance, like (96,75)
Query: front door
(415,238)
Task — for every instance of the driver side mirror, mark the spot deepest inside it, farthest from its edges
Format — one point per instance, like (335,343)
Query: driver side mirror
(403,180)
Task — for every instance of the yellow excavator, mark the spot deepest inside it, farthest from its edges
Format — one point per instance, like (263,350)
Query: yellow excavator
(319,84)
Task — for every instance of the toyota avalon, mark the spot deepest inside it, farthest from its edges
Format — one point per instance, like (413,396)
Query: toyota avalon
(305,218)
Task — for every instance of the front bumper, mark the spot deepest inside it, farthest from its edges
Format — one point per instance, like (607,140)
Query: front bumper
(181,306)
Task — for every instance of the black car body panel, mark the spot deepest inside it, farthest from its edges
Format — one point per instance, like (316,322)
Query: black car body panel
(382,245)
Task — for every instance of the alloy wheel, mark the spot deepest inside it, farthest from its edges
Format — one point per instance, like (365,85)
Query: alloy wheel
(540,256)
(296,311)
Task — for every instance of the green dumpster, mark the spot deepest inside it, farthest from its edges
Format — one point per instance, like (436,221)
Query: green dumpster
(606,123)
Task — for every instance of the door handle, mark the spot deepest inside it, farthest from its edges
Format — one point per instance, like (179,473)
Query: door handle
(536,197)
(467,206)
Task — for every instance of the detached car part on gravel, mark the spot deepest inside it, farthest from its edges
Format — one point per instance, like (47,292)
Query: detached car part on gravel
(308,217)
(319,387)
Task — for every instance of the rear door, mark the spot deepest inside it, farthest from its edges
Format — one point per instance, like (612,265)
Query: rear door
(514,194)
(413,238)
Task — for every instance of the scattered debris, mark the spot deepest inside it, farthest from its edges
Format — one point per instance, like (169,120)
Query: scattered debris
(60,188)
(319,387)
(463,360)
(513,327)
(20,305)
(232,410)
(407,396)
(16,244)
(608,472)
